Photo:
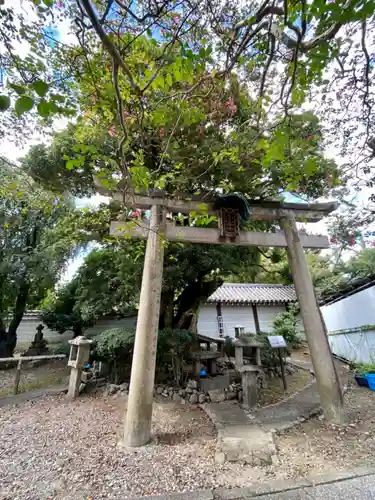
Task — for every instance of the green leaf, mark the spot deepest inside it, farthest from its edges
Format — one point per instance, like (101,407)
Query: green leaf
(49,3)
(169,79)
(298,96)
(57,97)
(40,87)
(23,104)
(44,108)
(17,88)
(4,102)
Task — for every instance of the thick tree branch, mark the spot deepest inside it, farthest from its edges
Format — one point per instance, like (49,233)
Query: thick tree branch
(108,44)
(149,15)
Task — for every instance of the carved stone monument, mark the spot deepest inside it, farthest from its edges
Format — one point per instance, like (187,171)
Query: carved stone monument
(38,346)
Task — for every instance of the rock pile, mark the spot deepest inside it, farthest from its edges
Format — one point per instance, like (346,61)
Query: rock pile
(189,395)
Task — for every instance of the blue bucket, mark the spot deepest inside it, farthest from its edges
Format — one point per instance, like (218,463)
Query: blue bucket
(371,380)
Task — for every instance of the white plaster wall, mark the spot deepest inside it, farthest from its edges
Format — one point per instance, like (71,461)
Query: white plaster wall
(27,329)
(207,321)
(358,346)
(351,312)
(267,315)
(237,316)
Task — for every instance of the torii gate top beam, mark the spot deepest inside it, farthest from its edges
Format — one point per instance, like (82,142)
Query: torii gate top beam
(265,210)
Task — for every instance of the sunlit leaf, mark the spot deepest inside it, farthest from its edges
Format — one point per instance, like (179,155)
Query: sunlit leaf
(40,87)
(44,108)
(23,104)
(19,89)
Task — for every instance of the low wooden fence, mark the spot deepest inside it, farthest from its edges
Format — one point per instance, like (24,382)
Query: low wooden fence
(19,362)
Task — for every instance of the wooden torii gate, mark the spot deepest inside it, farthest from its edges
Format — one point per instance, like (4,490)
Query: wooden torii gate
(137,430)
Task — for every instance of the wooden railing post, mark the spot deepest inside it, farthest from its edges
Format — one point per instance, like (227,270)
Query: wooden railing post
(17,377)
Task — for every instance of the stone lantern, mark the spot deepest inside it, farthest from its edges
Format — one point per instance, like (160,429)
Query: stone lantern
(249,372)
(78,358)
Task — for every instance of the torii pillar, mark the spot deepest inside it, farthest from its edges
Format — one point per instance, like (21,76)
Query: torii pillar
(321,355)
(137,431)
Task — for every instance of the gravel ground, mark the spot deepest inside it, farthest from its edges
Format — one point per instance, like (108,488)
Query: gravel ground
(53,448)
(53,373)
(318,447)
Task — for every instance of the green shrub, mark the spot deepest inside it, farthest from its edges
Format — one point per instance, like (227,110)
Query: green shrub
(174,347)
(287,325)
(115,347)
(229,347)
(61,348)
(363,368)
(270,356)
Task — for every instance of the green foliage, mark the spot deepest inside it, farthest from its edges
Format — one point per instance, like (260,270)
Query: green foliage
(115,344)
(115,347)
(269,356)
(109,281)
(62,348)
(33,252)
(53,167)
(59,310)
(4,102)
(176,342)
(287,325)
(23,104)
(180,115)
(361,265)
(363,368)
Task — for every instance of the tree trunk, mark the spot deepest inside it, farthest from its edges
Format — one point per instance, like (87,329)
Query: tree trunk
(189,301)
(7,344)
(77,331)
(166,310)
(8,338)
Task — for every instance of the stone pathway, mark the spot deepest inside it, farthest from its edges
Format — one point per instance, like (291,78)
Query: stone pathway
(287,413)
(248,436)
(353,485)
(239,438)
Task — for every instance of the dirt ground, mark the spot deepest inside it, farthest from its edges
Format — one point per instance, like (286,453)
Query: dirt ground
(55,372)
(275,389)
(318,446)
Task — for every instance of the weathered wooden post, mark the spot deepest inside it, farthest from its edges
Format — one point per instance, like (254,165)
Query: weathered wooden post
(137,431)
(17,376)
(326,376)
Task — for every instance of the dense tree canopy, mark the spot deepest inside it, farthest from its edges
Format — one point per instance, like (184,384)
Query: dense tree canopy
(33,250)
(47,166)
(161,75)
(108,283)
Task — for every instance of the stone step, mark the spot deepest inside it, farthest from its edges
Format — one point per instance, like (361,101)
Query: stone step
(226,413)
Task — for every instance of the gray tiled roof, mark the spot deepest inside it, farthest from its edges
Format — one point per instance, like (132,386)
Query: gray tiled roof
(253,293)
